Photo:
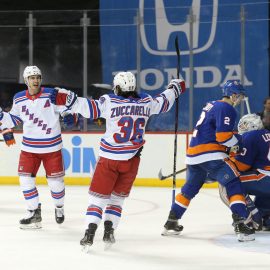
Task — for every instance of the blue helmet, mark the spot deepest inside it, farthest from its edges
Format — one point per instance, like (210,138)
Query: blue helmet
(232,87)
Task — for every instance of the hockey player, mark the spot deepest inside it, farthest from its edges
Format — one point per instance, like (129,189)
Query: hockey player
(41,142)
(126,113)
(206,155)
(254,164)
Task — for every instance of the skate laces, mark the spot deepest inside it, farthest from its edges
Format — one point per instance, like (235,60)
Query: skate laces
(29,214)
(59,211)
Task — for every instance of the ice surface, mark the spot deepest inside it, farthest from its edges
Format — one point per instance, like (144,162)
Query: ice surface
(207,242)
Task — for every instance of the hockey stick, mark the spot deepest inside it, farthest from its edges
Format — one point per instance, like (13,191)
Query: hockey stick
(247,104)
(163,177)
(176,121)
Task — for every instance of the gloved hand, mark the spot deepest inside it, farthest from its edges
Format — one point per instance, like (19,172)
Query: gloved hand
(8,136)
(70,119)
(178,85)
(61,96)
(237,148)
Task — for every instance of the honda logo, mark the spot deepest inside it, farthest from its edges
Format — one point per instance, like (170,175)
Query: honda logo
(157,42)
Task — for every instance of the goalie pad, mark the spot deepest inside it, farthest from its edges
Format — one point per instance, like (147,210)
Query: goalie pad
(254,214)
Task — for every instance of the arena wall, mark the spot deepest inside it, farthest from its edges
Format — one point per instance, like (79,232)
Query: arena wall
(81,154)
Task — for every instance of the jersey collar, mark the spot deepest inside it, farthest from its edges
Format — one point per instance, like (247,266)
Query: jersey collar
(33,97)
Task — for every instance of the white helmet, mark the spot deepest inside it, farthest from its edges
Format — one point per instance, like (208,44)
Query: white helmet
(249,122)
(31,71)
(125,80)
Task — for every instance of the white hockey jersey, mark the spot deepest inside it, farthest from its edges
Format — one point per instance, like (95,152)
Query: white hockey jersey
(126,120)
(40,119)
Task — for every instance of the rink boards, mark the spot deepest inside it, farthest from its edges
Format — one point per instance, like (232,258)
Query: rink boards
(81,154)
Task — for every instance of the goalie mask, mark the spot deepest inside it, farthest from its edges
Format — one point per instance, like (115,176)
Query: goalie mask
(31,71)
(249,122)
(126,81)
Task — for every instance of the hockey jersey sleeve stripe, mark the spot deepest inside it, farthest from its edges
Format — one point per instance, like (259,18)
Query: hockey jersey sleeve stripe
(240,165)
(223,136)
(95,109)
(15,119)
(165,104)
(205,148)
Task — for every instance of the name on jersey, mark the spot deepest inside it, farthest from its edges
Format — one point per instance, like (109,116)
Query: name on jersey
(130,110)
(36,120)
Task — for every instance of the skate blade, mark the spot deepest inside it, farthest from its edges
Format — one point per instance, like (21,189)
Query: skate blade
(170,233)
(86,249)
(32,226)
(108,245)
(245,238)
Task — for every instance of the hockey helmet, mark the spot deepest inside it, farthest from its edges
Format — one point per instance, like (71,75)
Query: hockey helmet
(249,122)
(126,81)
(231,87)
(31,71)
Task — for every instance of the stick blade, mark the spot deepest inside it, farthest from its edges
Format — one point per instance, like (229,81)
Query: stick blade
(160,176)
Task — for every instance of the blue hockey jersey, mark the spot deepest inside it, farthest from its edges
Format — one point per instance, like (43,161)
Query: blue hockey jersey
(256,152)
(213,133)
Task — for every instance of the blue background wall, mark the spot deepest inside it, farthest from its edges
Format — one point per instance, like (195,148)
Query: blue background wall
(212,66)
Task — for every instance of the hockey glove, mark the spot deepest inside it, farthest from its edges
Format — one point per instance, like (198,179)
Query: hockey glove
(8,136)
(178,85)
(61,96)
(237,148)
(70,119)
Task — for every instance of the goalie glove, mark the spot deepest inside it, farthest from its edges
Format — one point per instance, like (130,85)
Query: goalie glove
(61,96)
(8,136)
(178,85)
(70,119)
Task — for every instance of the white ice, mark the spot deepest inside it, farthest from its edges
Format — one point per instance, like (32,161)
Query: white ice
(207,242)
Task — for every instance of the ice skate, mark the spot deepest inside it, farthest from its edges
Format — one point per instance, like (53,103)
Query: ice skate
(244,232)
(108,236)
(266,223)
(171,226)
(33,220)
(59,214)
(88,238)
